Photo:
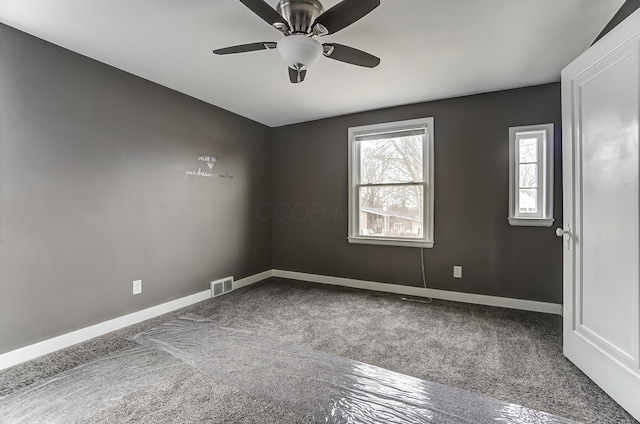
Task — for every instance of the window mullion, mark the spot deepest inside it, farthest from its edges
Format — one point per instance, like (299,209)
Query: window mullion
(412,183)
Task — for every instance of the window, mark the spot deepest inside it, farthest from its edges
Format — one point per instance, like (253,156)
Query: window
(391,183)
(531,175)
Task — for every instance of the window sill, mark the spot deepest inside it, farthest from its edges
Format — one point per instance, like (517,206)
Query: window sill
(391,242)
(532,222)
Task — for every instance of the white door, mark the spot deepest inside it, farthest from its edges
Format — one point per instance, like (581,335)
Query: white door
(601,234)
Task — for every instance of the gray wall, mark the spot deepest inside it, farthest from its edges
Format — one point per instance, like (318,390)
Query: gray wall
(93,195)
(471,200)
(93,192)
(623,13)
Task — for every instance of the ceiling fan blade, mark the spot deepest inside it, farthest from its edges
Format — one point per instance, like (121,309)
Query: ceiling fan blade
(296,77)
(244,48)
(345,13)
(350,55)
(267,13)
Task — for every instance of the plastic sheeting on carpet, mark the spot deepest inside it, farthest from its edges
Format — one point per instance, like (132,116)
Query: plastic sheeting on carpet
(322,387)
(325,387)
(76,395)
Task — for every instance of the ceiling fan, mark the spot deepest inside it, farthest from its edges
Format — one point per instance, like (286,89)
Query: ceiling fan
(302,22)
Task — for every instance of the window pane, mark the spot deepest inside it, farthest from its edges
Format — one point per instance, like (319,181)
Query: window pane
(392,211)
(528,150)
(528,176)
(392,160)
(528,201)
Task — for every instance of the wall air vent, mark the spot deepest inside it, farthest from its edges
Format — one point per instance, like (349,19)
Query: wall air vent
(222,286)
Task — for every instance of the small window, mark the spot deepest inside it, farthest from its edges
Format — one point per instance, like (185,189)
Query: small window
(391,183)
(531,175)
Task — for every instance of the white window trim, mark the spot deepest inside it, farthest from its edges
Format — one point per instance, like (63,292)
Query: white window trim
(544,218)
(428,226)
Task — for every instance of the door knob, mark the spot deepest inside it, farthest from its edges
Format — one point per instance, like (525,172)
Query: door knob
(560,232)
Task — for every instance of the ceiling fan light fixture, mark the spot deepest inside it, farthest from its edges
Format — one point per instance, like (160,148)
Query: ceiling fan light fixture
(299,51)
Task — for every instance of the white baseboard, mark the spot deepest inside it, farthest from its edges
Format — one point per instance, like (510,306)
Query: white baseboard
(45,347)
(503,302)
(252,279)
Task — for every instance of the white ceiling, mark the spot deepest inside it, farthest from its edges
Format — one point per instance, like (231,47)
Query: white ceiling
(430,49)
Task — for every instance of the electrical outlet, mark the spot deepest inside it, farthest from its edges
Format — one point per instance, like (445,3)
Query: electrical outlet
(457,271)
(137,287)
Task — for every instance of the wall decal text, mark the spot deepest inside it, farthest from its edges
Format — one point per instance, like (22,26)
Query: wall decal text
(211,161)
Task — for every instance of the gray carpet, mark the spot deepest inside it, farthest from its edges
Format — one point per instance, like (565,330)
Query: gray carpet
(264,374)
(512,356)
(167,403)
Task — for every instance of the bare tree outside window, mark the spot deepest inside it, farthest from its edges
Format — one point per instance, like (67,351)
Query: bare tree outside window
(391,183)
(392,194)
(531,175)
(528,175)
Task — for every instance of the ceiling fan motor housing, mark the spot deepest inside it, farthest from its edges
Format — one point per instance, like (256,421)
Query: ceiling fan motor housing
(301,14)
